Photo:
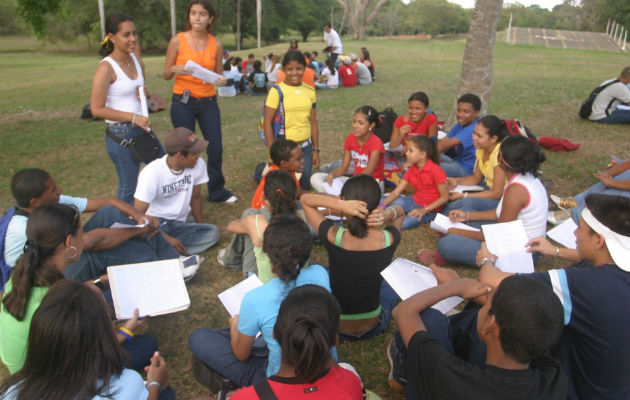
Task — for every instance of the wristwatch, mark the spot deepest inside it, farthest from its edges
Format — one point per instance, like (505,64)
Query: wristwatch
(483,261)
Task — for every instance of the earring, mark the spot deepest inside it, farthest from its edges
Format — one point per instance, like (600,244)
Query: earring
(74,252)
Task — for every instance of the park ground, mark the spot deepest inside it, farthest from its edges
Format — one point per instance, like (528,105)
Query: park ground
(45,87)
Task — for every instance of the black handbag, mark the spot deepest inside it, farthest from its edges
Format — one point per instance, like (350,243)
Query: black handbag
(143,148)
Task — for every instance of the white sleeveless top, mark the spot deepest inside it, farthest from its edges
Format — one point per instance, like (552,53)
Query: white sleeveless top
(122,94)
(534,214)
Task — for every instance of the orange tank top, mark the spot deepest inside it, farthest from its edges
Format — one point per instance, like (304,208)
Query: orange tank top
(205,58)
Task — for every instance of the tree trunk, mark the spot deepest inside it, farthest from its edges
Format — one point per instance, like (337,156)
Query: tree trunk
(357,11)
(476,76)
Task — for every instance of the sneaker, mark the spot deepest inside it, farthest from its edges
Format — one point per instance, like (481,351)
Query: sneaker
(558,217)
(396,379)
(190,266)
(221,257)
(211,379)
(231,199)
(428,256)
(565,203)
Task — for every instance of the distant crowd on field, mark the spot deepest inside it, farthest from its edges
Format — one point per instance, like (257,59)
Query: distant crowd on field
(556,334)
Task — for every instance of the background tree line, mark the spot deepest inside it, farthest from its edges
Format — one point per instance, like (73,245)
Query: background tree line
(69,20)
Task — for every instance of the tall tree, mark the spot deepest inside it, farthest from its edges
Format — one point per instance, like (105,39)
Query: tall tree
(476,76)
(361,13)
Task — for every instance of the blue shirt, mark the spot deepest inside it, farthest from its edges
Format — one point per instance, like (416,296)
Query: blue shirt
(260,307)
(465,150)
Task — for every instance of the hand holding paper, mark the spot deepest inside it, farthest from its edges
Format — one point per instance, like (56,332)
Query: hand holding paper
(202,73)
(507,241)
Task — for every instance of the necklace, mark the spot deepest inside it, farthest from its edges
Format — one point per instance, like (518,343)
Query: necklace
(125,64)
(172,170)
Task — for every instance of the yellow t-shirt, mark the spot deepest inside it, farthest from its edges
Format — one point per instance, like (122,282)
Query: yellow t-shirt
(487,167)
(298,102)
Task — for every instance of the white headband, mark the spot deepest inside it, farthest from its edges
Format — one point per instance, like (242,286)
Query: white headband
(618,245)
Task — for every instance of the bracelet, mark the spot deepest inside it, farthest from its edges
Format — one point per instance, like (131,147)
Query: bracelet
(154,383)
(133,119)
(316,149)
(125,335)
(487,259)
(395,214)
(557,252)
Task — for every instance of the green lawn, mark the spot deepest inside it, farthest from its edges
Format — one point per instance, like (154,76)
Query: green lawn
(44,89)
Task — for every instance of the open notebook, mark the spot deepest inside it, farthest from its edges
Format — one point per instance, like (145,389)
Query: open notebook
(154,288)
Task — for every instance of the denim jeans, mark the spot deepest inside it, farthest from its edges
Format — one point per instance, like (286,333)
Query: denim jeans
(307,154)
(126,167)
(388,299)
(239,255)
(137,249)
(206,112)
(452,168)
(470,204)
(600,188)
(196,237)
(212,346)
(457,334)
(617,117)
(408,204)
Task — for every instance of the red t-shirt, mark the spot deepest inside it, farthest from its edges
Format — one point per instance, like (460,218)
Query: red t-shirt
(348,75)
(426,181)
(337,384)
(257,200)
(421,128)
(361,154)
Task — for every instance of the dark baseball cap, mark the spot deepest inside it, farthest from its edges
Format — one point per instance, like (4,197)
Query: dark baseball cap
(183,139)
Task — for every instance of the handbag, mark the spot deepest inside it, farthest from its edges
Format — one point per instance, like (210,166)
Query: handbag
(143,148)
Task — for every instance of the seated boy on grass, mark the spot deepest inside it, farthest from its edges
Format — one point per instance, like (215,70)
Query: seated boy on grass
(457,149)
(518,323)
(285,155)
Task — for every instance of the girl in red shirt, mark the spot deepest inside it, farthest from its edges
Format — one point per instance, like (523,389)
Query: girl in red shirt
(364,149)
(426,176)
(417,122)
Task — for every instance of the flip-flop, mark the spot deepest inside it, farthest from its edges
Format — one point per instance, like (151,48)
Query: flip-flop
(428,256)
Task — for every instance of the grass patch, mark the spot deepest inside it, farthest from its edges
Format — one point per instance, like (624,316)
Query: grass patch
(41,103)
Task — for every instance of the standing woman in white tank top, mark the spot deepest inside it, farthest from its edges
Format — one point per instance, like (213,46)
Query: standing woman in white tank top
(115,98)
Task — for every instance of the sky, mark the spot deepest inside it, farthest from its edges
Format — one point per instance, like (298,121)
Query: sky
(549,4)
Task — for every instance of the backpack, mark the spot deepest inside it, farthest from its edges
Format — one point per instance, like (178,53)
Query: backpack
(386,118)
(277,125)
(5,269)
(587,106)
(260,79)
(514,127)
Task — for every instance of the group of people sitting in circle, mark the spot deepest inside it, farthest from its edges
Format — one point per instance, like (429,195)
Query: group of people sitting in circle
(547,335)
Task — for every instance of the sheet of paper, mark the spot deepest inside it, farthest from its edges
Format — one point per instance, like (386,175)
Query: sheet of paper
(335,188)
(507,241)
(233,297)
(118,225)
(408,278)
(202,73)
(442,224)
(467,188)
(563,234)
(143,101)
(154,288)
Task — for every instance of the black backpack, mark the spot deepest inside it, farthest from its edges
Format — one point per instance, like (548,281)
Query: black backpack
(386,119)
(587,106)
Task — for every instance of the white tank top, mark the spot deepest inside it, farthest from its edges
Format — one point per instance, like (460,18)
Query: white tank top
(122,94)
(534,214)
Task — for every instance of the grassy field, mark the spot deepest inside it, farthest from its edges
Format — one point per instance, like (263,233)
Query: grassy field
(44,89)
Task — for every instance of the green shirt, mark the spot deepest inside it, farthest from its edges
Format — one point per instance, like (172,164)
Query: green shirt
(14,333)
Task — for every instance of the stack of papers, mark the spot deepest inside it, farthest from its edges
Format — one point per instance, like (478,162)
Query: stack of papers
(202,73)
(442,224)
(408,278)
(564,235)
(467,188)
(507,241)
(154,288)
(335,188)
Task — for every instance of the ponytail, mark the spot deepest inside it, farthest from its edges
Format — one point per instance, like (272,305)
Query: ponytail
(426,144)
(365,188)
(306,347)
(280,190)
(112,25)
(287,242)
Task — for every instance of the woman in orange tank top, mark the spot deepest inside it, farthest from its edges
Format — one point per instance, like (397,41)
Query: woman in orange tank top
(193,99)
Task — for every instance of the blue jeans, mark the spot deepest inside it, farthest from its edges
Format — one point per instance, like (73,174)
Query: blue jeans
(323,86)
(126,167)
(452,168)
(307,154)
(196,237)
(616,117)
(206,112)
(137,249)
(388,299)
(212,346)
(408,204)
(457,334)
(470,204)
(600,188)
